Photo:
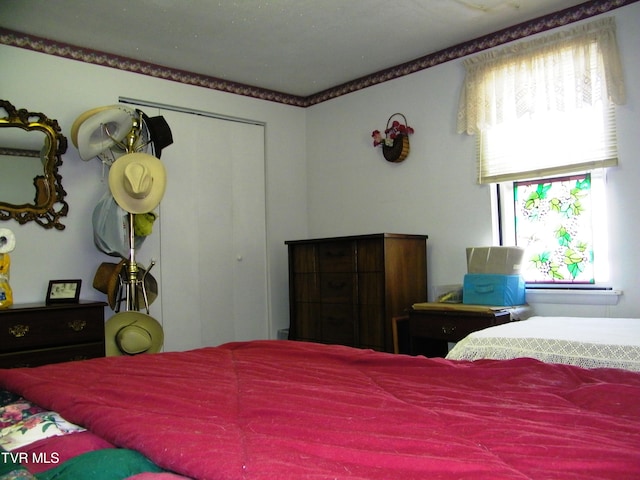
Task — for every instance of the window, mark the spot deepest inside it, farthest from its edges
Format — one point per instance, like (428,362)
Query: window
(560,222)
(544,118)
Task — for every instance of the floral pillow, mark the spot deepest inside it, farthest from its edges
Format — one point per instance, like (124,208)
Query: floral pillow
(17,411)
(22,423)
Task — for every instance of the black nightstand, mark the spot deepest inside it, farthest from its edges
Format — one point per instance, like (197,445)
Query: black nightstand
(431,326)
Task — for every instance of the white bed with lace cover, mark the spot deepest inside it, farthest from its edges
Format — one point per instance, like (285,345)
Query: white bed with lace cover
(586,342)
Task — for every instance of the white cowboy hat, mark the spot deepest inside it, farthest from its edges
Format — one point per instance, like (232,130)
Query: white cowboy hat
(81,119)
(100,129)
(137,182)
(132,333)
(141,139)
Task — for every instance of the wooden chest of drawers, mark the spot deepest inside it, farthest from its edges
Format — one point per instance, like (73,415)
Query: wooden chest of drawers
(37,334)
(345,290)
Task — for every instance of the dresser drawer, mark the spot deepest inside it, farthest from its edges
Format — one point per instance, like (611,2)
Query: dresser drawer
(338,324)
(307,287)
(337,257)
(371,288)
(338,288)
(371,326)
(34,358)
(306,320)
(304,259)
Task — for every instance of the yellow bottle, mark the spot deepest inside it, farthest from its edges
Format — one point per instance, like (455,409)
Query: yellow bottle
(6,295)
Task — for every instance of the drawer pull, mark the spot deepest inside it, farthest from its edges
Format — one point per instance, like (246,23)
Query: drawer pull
(336,320)
(19,330)
(78,357)
(77,325)
(336,285)
(448,329)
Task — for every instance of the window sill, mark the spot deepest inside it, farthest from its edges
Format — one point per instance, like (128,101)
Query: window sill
(579,297)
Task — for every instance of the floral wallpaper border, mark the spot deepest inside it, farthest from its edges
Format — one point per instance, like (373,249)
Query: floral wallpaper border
(538,25)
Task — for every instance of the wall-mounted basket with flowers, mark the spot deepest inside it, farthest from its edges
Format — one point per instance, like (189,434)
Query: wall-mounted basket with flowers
(395,143)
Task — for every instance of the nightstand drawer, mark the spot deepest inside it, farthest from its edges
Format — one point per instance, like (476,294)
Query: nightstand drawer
(431,329)
(60,327)
(36,334)
(451,329)
(34,358)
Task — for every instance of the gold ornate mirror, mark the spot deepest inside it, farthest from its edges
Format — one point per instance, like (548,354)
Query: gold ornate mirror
(31,146)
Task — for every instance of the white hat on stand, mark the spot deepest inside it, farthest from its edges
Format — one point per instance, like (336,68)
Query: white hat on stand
(137,182)
(99,129)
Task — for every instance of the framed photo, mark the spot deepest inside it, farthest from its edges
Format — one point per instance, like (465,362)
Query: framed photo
(63,291)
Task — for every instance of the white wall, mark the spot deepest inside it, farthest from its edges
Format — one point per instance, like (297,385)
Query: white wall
(63,89)
(352,189)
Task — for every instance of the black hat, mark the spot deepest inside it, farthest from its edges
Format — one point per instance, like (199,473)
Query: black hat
(159,132)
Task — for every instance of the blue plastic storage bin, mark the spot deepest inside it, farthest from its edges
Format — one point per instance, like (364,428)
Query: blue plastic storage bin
(493,289)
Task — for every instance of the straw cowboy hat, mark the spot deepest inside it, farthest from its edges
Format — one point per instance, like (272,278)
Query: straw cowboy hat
(132,333)
(101,128)
(107,280)
(137,182)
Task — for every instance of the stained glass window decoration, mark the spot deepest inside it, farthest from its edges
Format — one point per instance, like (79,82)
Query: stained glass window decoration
(553,222)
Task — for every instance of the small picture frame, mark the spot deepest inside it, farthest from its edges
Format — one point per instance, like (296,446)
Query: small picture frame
(63,291)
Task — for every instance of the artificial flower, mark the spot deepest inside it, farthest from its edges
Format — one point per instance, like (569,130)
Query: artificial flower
(391,133)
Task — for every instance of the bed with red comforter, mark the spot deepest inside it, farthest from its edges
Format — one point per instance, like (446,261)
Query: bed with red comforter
(291,410)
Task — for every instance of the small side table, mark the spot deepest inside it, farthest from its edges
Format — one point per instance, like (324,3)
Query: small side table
(431,326)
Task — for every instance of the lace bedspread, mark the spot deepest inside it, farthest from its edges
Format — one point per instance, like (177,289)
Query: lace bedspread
(585,342)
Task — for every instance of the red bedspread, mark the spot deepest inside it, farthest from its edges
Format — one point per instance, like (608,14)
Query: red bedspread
(287,410)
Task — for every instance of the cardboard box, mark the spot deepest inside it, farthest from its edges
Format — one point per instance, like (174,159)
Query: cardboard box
(494,260)
(492,289)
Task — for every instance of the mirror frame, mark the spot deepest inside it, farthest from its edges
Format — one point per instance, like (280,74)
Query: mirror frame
(48,213)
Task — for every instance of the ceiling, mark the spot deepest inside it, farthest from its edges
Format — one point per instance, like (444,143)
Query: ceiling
(297,47)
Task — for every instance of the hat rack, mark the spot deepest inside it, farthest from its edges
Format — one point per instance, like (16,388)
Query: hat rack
(131,284)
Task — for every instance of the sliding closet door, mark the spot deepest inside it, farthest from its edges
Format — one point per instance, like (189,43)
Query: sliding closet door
(213,233)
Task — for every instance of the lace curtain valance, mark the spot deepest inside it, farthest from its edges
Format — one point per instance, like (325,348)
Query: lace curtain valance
(558,72)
